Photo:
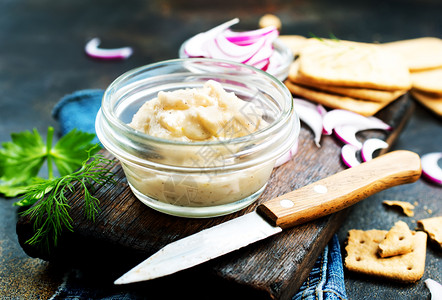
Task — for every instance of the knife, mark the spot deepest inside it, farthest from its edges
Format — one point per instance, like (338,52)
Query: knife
(310,202)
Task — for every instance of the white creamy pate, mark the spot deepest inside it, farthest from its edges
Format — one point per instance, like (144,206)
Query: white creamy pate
(206,114)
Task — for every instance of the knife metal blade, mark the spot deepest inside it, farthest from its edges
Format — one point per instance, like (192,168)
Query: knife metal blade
(201,247)
(316,200)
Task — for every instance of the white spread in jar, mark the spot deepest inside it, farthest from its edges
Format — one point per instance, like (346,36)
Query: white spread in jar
(205,114)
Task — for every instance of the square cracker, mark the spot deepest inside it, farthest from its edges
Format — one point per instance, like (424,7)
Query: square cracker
(362,256)
(397,241)
(420,53)
(432,226)
(346,63)
(428,81)
(431,101)
(363,107)
(353,92)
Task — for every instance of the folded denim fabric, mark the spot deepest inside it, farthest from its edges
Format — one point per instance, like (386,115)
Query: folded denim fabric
(326,279)
(78,110)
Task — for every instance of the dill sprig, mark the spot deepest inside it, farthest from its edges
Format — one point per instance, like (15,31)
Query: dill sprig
(50,212)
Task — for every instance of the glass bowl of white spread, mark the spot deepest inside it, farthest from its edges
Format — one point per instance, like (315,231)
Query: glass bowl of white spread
(197,137)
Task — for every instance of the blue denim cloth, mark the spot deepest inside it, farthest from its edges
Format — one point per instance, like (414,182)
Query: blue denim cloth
(326,280)
(78,110)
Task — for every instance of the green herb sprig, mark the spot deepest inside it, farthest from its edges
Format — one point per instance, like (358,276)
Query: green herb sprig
(78,165)
(50,213)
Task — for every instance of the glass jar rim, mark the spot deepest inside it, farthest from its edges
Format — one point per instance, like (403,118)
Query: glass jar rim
(113,87)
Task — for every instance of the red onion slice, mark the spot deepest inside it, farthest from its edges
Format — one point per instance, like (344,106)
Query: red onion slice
(237,52)
(435,288)
(264,52)
(250,47)
(370,146)
(309,113)
(195,47)
(348,155)
(247,37)
(337,117)
(347,134)
(93,50)
(430,167)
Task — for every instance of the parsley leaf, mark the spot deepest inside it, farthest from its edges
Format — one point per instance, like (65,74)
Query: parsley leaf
(71,150)
(22,158)
(78,165)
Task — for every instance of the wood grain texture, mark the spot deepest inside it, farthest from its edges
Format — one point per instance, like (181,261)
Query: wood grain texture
(126,231)
(343,189)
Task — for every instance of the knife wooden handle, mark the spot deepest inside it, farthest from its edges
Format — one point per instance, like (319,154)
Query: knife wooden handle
(342,189)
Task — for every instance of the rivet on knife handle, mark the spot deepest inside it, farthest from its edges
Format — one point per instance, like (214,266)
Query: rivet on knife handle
(343,189)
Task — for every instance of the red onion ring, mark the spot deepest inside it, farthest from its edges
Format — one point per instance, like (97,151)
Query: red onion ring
(348,155)
(338,117)
(94,51)
(247,37)
(310,114)
(430,167)
(349,152)
(435,288)
(370,146)
(249,47)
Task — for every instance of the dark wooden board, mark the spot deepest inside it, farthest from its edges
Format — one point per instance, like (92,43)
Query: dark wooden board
(126,231)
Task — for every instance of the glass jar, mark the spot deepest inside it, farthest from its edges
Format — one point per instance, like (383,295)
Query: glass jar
(201,178)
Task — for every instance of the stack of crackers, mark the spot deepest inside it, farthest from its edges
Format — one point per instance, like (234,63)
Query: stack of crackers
(423,57)
(360,77)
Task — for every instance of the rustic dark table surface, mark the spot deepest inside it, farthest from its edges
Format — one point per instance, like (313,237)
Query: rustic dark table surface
(42,59)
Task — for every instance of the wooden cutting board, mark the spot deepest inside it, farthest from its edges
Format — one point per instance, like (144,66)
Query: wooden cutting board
(126,231)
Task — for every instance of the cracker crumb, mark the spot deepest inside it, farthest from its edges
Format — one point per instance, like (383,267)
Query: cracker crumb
(407,207)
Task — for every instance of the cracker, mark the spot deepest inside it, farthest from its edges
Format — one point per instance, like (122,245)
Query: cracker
(419,54)
(407,208)
(433,227)
(428,81)
(363,107)
(345,63)
(353,92)
(362,256)
(397,241)
(294,42)
(431,101)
